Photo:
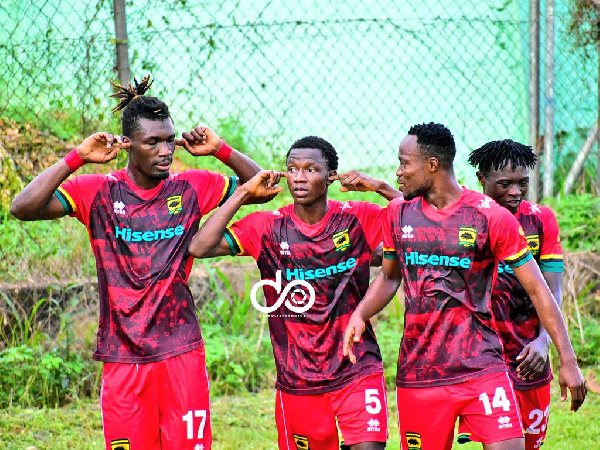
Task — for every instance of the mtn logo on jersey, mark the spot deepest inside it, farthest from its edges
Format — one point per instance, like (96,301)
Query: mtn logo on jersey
(127,234)
(533,243)
(341,240)
(467,236)
(413,440)
(301,442)
(174,204)
(423,259)
(301,274)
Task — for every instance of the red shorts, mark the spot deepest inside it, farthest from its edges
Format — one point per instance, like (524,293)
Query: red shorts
(157,406)
(535,407)
(486,407)
(309,421)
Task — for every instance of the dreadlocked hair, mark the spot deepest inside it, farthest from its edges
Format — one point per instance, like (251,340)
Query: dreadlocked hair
(135,105)
(496,155)
(327,150)
(434,139)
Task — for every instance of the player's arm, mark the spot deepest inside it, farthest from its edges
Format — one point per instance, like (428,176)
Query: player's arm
(202,141)
(377,256)
(38,202)
(358,181)
(379,294)
(209,240)
(570,376)
(535,354)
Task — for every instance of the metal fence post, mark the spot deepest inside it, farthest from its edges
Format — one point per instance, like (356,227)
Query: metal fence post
(534,96)
(549,105)
(121,43)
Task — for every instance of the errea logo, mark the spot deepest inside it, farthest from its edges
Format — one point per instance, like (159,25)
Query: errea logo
(285,248)
(504,422)
(373,425)
(119,208)
(407,232)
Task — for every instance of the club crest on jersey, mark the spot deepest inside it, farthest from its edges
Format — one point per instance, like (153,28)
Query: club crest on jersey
(301,442)
(119,208)
(120,444)
(174,204)
(285,248)
(533,243)
(407,232)
(341,239)
(413,440)
(467,236)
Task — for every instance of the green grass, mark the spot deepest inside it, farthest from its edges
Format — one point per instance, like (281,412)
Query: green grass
(249,420)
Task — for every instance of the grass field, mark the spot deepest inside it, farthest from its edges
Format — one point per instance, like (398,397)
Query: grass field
(247,422)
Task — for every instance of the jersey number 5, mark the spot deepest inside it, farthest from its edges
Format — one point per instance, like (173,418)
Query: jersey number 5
(372,402)
(499,401)
(189,419)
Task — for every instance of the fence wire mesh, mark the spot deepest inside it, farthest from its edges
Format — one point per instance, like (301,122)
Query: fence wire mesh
(358,73)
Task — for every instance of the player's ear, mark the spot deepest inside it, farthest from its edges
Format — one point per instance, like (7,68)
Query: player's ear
(126,139)
(481,179)
(433,164)
(332,173)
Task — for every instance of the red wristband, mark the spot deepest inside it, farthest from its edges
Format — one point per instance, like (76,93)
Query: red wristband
(224,153)
(73,160)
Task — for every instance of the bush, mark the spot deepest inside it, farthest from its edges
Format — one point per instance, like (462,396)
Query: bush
(579,221)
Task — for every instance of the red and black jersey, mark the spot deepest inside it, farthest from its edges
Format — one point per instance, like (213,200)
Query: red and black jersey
(516,319)
(333,256)
(140,240)
(449,260)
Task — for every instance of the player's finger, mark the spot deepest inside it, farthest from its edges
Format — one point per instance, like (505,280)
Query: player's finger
(577,398)
(522,354)
(334,177)
(188,137)
(563,392)
(344,189)
(198,134)
(180,142)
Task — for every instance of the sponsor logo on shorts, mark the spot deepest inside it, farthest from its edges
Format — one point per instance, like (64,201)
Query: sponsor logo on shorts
(373,425)
(301,442)
(467,236)
(120,444)
(533,243)
(413,440)
(504,422)
(174,204)
(341,240)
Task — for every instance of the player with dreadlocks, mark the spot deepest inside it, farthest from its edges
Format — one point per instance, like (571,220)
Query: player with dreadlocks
(140,221)
(503,171)
(446,241)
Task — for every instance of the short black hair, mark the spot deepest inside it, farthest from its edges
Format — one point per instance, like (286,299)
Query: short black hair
(497,154)
(327,150)
(135,105)
(434,139)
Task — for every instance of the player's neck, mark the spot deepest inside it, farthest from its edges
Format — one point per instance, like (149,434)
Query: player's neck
(444,193)
(142,181)
(313,213)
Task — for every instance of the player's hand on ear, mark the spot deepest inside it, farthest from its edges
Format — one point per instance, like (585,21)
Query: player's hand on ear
(264,184)
(201,141)
(356,181)
(102,147)
(353,333)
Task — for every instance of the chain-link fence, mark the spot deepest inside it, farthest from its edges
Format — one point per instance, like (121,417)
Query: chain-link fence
(358,73)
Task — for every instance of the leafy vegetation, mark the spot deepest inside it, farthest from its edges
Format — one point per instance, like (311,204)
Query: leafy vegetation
(579,221)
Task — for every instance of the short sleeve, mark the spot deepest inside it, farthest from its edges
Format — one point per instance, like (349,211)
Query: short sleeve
(245,235)
(213,188)
(370,217)
(507,237)
(77,195)
(551,252)
(390,213)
